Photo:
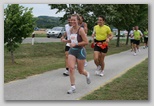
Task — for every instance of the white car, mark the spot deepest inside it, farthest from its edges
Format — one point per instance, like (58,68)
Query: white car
(56,31)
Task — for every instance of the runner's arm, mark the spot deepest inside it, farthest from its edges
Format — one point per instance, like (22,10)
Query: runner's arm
(85,28)
(141,33)
(64,35)
(63,38)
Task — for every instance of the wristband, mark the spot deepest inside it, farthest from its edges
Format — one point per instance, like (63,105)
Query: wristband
(77,43)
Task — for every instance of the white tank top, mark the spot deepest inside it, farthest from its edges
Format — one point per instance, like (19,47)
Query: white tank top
(67,29)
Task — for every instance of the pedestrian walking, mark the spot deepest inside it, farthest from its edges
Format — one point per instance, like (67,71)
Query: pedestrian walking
(77,54)
(103,36)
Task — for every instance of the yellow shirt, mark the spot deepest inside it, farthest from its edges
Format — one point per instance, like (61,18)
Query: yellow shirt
(136,35)
(101,32)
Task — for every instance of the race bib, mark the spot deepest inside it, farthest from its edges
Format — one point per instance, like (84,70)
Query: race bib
(73,38)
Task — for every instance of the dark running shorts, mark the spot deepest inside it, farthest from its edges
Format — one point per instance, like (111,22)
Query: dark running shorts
(67,48)
(137,42)
(131,40)
(97,48)
(145,40)
(79,53)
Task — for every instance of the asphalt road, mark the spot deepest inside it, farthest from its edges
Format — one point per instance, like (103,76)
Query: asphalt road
(52,85)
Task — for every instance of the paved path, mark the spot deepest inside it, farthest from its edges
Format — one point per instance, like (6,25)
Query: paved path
(53,85)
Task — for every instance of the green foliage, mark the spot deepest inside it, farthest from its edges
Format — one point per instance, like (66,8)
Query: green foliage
(48,22)
(121,16)
(18,24)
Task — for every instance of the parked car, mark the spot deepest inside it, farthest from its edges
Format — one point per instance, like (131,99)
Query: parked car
(55,31)
(123,33)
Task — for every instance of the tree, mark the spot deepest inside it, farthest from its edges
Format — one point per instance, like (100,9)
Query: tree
(140,17)
(82,9)
(121,16)
(18,24)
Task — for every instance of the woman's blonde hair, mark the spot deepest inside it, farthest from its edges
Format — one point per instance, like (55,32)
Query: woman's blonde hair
(76,15)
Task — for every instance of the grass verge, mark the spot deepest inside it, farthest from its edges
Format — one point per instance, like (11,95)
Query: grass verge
(133,85)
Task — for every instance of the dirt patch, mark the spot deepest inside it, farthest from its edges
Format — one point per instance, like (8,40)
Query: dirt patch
(40,32)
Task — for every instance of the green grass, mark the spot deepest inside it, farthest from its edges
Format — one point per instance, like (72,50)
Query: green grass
(133,85)
(42,57)
(40,35)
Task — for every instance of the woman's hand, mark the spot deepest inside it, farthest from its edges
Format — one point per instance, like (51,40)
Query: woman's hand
(72,44)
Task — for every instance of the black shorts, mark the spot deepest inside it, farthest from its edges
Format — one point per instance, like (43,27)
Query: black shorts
(145,40)
(67,48)
(95,40)
(97,48)
(131,40)
(137,42)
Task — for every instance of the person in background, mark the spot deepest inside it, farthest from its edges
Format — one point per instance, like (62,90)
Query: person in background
(131,36)
(137,36)
(83,24)
(67,47)
(85,27)
(145,34)
(103,36)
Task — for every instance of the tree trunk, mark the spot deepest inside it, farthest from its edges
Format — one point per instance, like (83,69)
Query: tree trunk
(118,38)
(12,56)
(127,41)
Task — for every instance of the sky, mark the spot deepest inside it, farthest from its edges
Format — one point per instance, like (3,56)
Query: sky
(42,9)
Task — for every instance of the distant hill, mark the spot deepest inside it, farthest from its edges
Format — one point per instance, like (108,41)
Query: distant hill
(48,22)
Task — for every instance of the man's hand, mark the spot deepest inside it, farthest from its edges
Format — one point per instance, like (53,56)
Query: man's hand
(63,40)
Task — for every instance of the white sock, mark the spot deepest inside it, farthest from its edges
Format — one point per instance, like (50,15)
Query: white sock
(88,75)
(73,86)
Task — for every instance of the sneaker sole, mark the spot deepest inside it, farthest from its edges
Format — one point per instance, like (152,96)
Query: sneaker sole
(65,74)
(88,81)
(101,75)
(71,92)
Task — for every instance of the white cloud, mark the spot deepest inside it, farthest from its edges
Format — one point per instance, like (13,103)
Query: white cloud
(42,9)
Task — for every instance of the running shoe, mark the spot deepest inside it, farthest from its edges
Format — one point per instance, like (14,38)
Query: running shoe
(88,78)
(134,54)
(66,73)
(85,64)
(71,90)
(97,71)
(102,73)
